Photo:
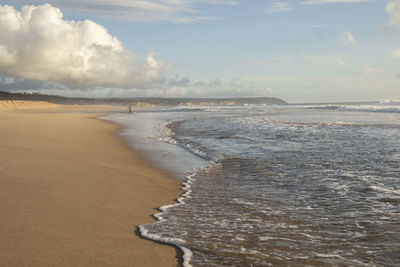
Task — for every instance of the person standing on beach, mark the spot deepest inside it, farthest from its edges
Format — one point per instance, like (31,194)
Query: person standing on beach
(130,109)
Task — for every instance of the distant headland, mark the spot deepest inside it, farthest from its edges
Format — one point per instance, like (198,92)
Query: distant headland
(143,101)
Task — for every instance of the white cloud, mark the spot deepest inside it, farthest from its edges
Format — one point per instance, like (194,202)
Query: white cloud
(393,8)
(348,39)
(278,7)
(175,91)
(318,2)
(175,11)
(396,53)
(38,44)
(330,59)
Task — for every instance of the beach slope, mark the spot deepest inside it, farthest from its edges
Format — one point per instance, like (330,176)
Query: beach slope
(72,193)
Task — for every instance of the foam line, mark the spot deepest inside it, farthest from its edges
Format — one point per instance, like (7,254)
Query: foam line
(167,137)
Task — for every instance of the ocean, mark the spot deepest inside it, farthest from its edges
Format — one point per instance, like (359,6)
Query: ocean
(293,185)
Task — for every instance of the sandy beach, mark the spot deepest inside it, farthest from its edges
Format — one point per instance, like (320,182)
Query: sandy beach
(72,193)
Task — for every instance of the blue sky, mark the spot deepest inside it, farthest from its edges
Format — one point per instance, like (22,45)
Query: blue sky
(301,51)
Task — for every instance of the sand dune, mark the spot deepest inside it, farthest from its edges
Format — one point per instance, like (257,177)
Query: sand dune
(45,107)
(25,105)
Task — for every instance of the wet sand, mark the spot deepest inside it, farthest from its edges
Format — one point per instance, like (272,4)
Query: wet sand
(72,193)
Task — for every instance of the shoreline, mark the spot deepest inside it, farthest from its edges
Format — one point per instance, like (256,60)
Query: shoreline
(73,193)
(189,164)
(158,210)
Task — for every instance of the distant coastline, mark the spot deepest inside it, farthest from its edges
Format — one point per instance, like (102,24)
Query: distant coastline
(142,101)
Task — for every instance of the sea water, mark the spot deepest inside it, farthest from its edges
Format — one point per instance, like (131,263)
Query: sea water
(315,185)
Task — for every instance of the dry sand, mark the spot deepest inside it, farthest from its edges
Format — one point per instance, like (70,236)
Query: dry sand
(72,193)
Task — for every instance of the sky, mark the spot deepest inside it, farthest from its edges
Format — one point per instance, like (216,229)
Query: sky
(300,51)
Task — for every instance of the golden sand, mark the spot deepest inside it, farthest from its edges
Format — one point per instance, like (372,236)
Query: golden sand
(72,193)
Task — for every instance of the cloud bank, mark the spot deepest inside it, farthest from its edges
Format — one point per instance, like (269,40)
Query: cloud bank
(393,8)
(38,44)
(396,53)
